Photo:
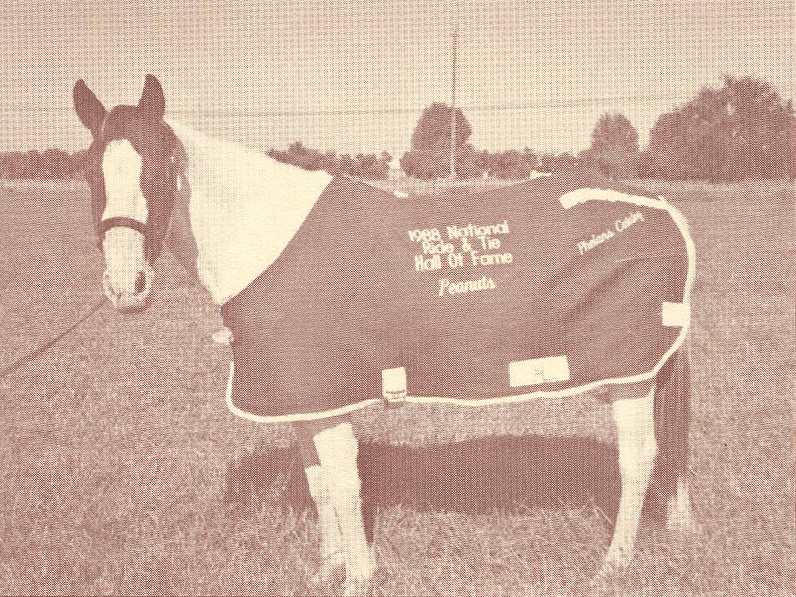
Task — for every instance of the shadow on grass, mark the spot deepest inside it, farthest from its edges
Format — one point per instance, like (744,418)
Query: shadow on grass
(504,473)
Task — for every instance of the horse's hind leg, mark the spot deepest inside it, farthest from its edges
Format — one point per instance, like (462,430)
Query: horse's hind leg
(337,449)
(332,556)
(635,427)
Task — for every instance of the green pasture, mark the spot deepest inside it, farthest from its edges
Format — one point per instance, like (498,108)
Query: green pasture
(122,471)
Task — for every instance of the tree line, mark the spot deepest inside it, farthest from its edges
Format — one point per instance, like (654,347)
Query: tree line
(742,130)
(50,163)
(363,165)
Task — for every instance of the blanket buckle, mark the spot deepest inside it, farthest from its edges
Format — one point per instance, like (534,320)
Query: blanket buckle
(393,387)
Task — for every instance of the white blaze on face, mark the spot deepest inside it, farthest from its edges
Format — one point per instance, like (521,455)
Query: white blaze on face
(124,247)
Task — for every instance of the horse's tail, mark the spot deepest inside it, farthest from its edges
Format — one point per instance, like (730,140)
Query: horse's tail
(672,417)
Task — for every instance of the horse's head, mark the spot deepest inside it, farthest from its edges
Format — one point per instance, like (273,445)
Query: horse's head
(131,172)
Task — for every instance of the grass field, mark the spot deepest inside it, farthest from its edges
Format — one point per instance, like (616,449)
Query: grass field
(121,470)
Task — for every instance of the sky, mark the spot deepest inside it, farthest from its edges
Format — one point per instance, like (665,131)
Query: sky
(354,76)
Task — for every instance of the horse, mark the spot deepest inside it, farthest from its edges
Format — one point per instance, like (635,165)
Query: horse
(325,282)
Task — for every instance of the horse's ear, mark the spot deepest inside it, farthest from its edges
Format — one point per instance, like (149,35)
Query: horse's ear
(89,109)
(152,102)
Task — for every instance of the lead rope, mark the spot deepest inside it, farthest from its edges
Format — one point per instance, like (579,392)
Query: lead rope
(45,347)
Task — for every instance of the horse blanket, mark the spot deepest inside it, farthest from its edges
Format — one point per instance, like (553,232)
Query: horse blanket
(551,286)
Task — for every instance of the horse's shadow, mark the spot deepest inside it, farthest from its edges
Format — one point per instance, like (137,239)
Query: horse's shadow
(504,473)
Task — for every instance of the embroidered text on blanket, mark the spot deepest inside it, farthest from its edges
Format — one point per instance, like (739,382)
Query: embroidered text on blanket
(466,247)
(585,246)
(447,286)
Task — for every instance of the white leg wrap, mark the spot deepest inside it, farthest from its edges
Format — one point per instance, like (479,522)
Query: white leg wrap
(337,451)
(637,449)
(332,555)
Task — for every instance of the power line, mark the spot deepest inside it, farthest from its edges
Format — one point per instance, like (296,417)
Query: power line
(374,111)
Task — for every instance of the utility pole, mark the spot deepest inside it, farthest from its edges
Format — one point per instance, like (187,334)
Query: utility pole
(455,36)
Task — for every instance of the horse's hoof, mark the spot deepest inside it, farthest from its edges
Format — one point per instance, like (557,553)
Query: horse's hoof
(364,585)
(614,564)
(330,573)
(682,523)
(603,580)
(223,336)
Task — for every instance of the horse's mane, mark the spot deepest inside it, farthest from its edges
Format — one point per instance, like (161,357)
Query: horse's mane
(246,206)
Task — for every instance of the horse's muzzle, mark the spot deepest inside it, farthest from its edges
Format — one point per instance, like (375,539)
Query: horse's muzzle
(126,297)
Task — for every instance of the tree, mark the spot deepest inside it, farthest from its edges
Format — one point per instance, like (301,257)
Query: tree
(12,164)
(56,163)
(562,162)
(664,156)
(304,157)
(79,160)
(329,162)
(509,165)
(365,165)
(33,163)
(742,130)
(425,163)
(530,158)
(346,165)
(467,165)
(614,131)
(433,129)
(429,156)
(372,167)
(614,147)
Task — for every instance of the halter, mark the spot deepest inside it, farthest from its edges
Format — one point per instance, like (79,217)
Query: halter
(153,243)
(152,247)
(121,221)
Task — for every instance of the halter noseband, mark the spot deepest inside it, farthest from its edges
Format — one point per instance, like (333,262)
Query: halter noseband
(150,251)
(120,221)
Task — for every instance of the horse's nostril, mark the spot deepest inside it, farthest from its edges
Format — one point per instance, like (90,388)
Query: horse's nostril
(140,283)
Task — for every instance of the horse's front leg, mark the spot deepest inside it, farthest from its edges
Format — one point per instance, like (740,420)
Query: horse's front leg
(332,556)
(331,541)
(337,493)
(637,450)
